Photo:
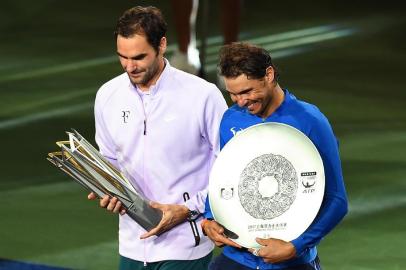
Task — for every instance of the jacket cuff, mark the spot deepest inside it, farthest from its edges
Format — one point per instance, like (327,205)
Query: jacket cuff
(300,248)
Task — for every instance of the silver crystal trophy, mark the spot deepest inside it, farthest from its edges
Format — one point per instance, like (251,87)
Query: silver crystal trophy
(83,163)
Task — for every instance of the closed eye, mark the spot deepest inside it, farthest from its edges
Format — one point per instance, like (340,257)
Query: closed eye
(137,57)
(243,92)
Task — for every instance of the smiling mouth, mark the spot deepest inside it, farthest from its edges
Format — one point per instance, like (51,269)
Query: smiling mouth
(251,105)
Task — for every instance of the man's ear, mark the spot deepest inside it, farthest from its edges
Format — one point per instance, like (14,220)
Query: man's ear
(162,46)
(270,74)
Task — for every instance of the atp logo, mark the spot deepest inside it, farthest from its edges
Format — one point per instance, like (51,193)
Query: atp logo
(308,184)
(234,131)
(125,116)
(308,181)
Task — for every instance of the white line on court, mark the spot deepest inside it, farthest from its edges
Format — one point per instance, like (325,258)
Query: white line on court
(277,44)
(212,41)
(213,49)
(360,207)
(32,105)
(58,68)
(44,115)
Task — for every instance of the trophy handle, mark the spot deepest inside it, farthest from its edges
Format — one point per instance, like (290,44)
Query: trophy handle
(146,216)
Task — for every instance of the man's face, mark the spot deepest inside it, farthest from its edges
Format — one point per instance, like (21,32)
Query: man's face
(139,59)
(254,94)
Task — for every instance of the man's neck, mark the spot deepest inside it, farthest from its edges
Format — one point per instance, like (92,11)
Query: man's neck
(276,101)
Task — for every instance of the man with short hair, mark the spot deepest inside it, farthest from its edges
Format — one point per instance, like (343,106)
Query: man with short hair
(252,82)
(159,126)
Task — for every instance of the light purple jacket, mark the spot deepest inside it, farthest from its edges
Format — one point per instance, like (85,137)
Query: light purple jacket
(165,143)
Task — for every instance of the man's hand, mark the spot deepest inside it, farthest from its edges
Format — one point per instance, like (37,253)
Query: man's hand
(173,214)
(216,233)
(111,204)
(275,250)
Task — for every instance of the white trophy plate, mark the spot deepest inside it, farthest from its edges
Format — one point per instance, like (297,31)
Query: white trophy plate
(268,182)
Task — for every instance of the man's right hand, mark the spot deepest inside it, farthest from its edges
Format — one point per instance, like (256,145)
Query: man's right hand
(216,233)
(111,204)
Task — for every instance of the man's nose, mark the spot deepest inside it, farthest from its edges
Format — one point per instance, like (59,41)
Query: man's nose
(130,65)
(241,100)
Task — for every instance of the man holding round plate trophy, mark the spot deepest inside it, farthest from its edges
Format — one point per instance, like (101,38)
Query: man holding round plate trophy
(276,188)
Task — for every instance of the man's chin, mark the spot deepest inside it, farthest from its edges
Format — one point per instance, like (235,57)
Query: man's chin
(136,80)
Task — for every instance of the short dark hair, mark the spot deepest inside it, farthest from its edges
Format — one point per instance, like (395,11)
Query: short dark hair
(244,58)
(142,20)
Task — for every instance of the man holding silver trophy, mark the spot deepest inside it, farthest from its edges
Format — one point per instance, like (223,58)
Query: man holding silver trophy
(252,82)
(159,127)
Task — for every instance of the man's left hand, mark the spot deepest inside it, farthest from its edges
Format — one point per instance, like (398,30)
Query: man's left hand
(173,214)
(275,250)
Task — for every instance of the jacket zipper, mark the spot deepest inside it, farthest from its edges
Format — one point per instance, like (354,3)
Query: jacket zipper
(145,133)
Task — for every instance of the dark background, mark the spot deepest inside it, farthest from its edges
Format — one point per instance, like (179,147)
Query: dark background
(54,55)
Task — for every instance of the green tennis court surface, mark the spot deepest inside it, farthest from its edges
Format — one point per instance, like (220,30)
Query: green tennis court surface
(347,58)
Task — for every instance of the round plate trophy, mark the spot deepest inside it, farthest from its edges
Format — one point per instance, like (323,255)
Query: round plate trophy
(268,182)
